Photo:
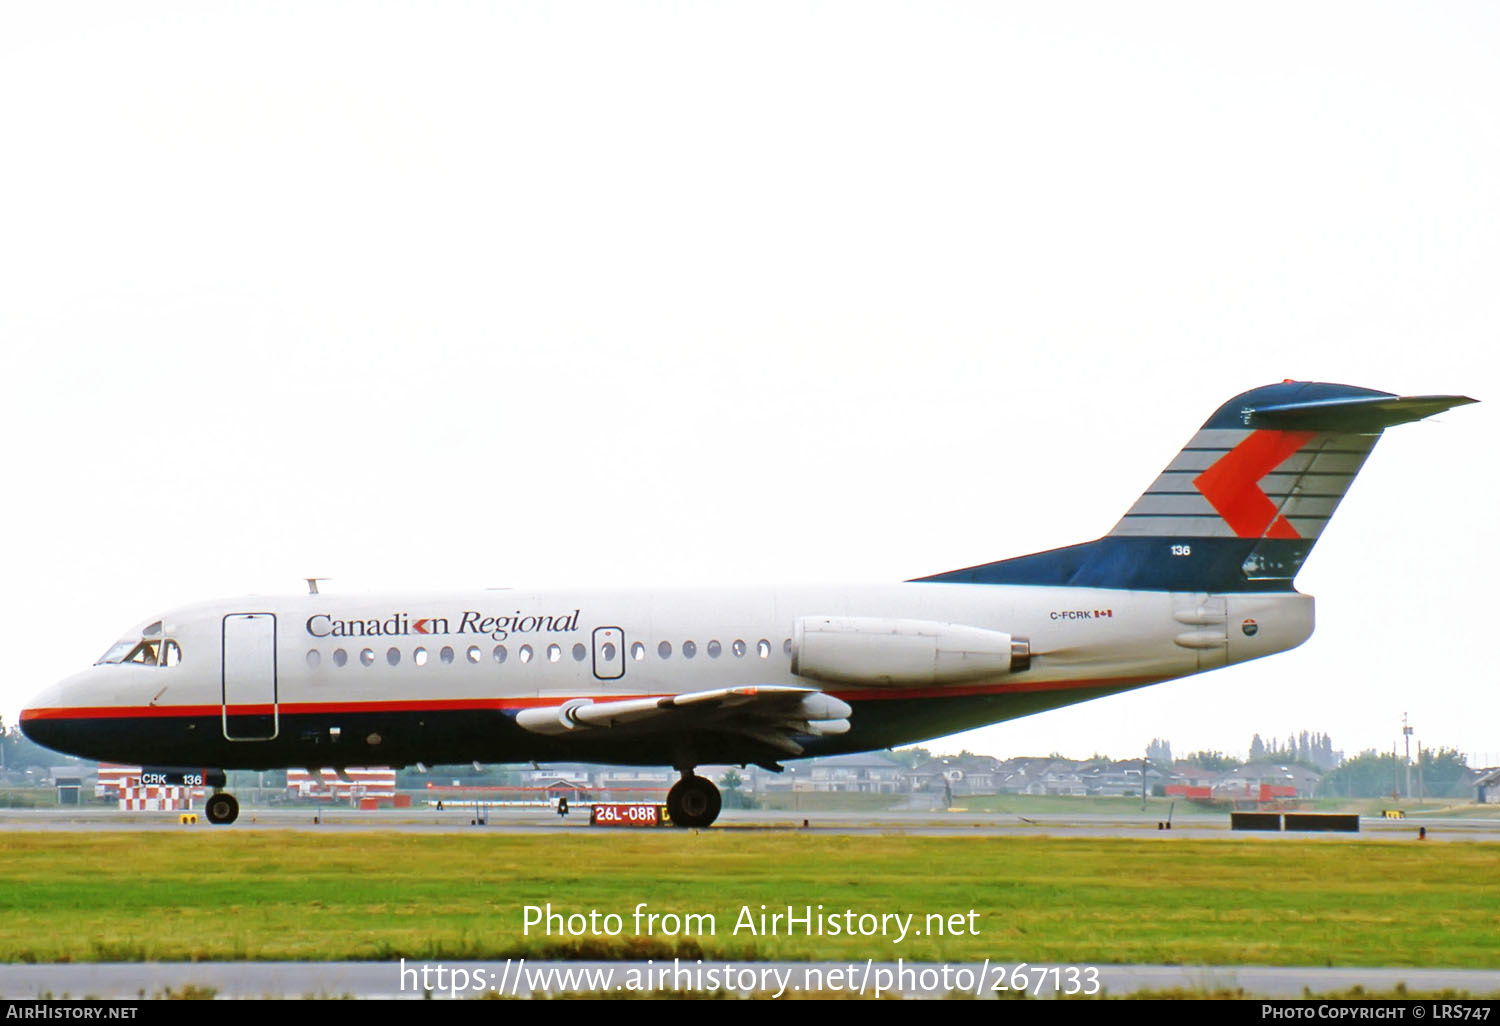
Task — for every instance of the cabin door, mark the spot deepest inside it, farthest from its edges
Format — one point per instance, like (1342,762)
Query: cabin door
(249,665)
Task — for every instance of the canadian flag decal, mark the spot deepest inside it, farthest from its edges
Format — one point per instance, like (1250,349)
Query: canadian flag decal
(1232,484)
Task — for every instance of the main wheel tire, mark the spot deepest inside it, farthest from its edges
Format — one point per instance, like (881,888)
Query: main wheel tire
(693,802)
(221,808)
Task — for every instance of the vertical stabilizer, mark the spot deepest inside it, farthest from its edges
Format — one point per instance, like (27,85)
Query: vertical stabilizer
(1244,502)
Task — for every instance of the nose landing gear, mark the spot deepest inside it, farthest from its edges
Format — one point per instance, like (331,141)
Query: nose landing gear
(221,807)
(693,801)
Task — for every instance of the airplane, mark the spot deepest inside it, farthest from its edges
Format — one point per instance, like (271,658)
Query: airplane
(1197,574)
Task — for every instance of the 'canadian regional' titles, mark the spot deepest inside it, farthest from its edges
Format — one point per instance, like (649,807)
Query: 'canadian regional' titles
(321,625)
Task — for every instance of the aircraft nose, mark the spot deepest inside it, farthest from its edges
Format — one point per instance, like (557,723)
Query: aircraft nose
(40,715)
(29,724)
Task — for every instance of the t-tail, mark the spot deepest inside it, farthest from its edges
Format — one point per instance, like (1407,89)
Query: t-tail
(1242,505)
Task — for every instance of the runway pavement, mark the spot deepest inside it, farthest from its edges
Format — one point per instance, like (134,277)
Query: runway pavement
(117,980)
(459,818)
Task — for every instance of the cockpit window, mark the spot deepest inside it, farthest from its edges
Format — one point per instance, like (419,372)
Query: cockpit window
(116,653)
(143,654)
(146,652)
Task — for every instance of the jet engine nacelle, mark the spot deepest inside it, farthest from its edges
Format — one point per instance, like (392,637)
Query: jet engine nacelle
(875,650)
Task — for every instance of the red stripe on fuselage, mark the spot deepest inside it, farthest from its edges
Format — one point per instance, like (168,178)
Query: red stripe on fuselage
(115,712)
(108,712)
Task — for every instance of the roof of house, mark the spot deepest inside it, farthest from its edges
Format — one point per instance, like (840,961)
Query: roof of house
(859,760)
(967,763)
(1272,771)
(1487,777)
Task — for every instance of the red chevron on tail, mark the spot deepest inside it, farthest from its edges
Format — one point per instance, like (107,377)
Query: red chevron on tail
(1232,483)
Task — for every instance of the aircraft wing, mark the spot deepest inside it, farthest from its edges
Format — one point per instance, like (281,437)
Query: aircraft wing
(772,714)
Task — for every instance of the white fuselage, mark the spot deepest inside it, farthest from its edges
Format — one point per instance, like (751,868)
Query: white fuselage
(382,671)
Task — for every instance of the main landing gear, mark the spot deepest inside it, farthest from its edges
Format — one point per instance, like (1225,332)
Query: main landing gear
(222,807)
(693,801)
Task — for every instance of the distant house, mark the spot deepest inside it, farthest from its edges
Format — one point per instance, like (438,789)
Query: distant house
(790,779)
(1042,776)
(1062,777)
(562,787)
(547,775)
(1023,775)
(1487,787)
(960,774)
(1286,781)
(1188,774)
(1120,778)
(69,781)
(639,783)
(865,773)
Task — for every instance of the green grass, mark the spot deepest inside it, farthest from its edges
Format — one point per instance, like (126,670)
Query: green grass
(223,894)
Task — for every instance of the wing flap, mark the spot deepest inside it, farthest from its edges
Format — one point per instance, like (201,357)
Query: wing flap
(756,711)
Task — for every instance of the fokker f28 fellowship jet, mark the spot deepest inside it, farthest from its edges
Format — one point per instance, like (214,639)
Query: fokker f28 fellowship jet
(1198,574)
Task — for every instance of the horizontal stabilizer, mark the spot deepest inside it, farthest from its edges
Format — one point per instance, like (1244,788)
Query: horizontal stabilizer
(1356,414)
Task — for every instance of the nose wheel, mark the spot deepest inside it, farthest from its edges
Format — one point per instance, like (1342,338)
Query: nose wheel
(221,807)
(693,801)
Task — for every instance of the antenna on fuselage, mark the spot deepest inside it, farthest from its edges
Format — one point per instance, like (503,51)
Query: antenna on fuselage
(312,583)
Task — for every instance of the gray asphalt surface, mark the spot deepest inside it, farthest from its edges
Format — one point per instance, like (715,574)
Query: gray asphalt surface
(475,979)
(461,819)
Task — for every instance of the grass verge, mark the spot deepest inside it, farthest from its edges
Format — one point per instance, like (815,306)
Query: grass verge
(213,894)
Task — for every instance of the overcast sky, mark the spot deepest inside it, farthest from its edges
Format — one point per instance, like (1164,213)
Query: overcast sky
(675,293)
